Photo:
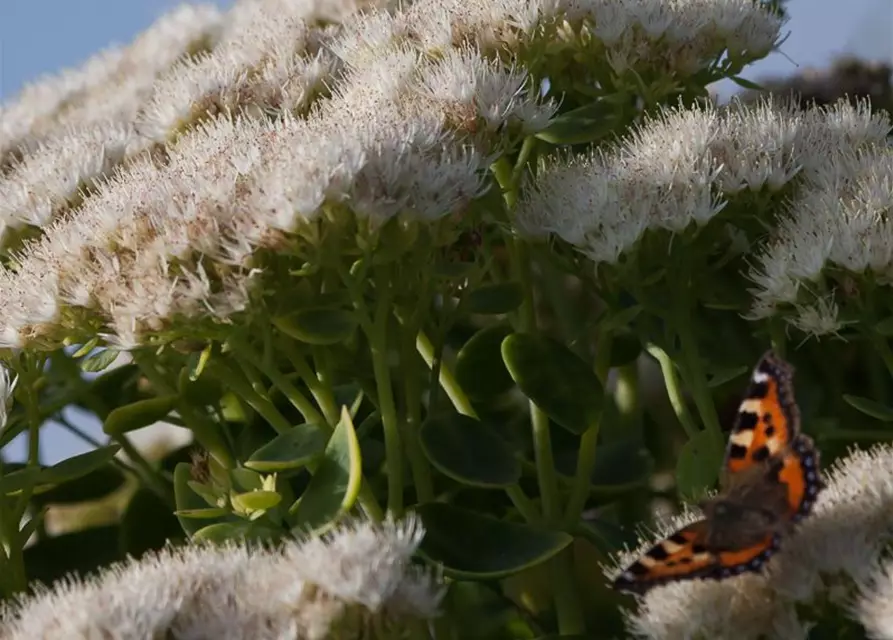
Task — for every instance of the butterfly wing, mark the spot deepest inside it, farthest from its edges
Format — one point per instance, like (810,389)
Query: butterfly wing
(768,420)
(800,474)
(681,556)
(684,556)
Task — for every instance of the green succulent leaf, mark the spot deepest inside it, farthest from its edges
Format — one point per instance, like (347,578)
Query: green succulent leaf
(139,414)
(318,326)
(479,369)
(472,546)
(293,449)
(469,451)
(555,379)
(335,483)
(870,407)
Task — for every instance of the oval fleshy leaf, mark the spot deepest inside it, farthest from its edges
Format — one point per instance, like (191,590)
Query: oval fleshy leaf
(189,500)
(238,530)
(318,326)
(335,483)
(255,501)
(139,414)
(94,485)
(78,466)
(293,449)
(469,451)
(472,546)
(870,407)
(99,361)
(495,299)
(201,514)
(556,380)
(619,466)
(479,369)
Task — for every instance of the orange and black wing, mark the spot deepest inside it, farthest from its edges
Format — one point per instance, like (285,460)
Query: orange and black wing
(768,419)
(684,556)
(800,473)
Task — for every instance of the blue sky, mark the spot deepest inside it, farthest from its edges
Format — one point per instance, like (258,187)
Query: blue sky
(44,36)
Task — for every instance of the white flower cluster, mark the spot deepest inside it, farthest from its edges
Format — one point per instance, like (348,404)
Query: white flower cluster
(686,165)
(359,577)
(835,556)
(845,220)
(171,237)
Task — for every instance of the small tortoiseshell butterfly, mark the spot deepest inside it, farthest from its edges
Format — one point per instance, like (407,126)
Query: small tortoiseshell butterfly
(769,482)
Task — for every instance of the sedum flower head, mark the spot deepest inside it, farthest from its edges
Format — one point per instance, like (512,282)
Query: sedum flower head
(110,86)
(873,606)
(831,552)
(685,165)
(350,584)
(843,220)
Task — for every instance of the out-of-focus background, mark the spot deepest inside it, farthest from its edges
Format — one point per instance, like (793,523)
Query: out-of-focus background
(46,36)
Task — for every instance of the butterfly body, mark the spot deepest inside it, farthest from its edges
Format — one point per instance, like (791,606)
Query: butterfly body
(770,481)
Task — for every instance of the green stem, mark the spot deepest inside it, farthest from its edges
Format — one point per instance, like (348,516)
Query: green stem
(504,173)
(421,469)
(777,336)
(567,600)
(542,440)
(626,397)
(235,380)
(297,399)
(463,405)
(527,148)
(697,384)
(378,341)
(523,504)
(146,472)
(567,604)
(266,409)
(322,386)
(582,477)
(674,390)
(447,380)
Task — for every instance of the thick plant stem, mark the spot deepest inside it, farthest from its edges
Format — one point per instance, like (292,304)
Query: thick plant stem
(421,469)
(567,602)
(205,431)
(463,405)
(290,391)
(674,390)
(232,379)
(582,477)
(697,383)
(378,341)
(447,380)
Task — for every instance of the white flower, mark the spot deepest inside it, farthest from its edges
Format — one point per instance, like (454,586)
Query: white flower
(111,86)
(360,575)
(873,607)
(842,218)
(51,174)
